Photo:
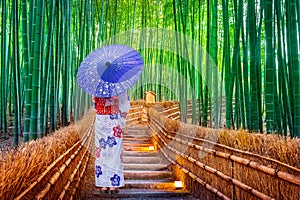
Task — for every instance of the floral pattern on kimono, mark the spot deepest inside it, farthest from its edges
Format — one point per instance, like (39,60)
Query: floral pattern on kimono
(110,119)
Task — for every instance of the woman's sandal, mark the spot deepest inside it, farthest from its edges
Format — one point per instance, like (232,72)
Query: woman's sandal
(114,191)
(104,190)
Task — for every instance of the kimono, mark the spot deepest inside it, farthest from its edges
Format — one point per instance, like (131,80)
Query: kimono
(110,119)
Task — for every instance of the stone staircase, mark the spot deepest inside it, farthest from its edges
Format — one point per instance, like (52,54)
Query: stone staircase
(143,168)
(146,177)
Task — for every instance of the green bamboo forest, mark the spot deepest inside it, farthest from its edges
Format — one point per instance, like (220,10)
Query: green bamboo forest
(244,53)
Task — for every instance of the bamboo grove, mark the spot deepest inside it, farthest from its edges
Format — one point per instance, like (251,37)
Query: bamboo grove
(242,52)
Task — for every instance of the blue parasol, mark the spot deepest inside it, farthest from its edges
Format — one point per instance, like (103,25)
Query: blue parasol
(110,70)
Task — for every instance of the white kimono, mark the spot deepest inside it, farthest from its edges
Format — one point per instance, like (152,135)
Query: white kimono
(108,142)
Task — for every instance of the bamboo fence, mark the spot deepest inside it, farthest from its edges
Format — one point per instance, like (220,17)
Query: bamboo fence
(48,168)
(222,164)
(213,164)
(139,110)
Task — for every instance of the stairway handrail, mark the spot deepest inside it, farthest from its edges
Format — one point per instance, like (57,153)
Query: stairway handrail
(268,170)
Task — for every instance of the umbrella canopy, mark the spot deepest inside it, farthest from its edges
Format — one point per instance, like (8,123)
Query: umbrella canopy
(110,70)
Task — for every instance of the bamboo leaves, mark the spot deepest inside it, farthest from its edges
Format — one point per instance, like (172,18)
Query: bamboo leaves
(253,44)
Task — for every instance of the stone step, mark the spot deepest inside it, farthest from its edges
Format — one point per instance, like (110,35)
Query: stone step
(139,154)
(150,167)
(145,140)
(136,135)
(150,184)
(125,136)
(145,194)
(135,131)
(135,148)
(125,144)
(135,127)
(141,160)
(146,175)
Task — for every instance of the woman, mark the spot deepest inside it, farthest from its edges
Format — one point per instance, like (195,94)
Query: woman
(110,118)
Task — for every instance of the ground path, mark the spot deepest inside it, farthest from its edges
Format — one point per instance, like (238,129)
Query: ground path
(146,177)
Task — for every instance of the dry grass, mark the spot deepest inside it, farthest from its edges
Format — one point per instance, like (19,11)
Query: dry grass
(21,167)
(270,152)
(283,149)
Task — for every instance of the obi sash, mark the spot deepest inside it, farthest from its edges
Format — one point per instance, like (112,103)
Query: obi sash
(106,106)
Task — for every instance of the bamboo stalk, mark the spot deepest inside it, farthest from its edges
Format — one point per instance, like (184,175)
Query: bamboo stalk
(80,177)
(289,177)
(77,184)
(240,160)
(43,192)
(47,171)
(55,177)
(71,178)
(76,169)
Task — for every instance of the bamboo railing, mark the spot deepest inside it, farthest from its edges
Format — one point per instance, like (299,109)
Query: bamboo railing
(209,169)
(139,111)
(61,179)
(225,172)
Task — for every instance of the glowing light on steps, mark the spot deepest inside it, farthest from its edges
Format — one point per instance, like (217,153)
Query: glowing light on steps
(178,184)
(151,148)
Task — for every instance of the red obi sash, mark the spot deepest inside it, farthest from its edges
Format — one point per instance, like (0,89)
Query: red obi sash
(106,106)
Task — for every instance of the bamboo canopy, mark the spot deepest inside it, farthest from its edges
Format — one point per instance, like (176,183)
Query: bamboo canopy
(244,52)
